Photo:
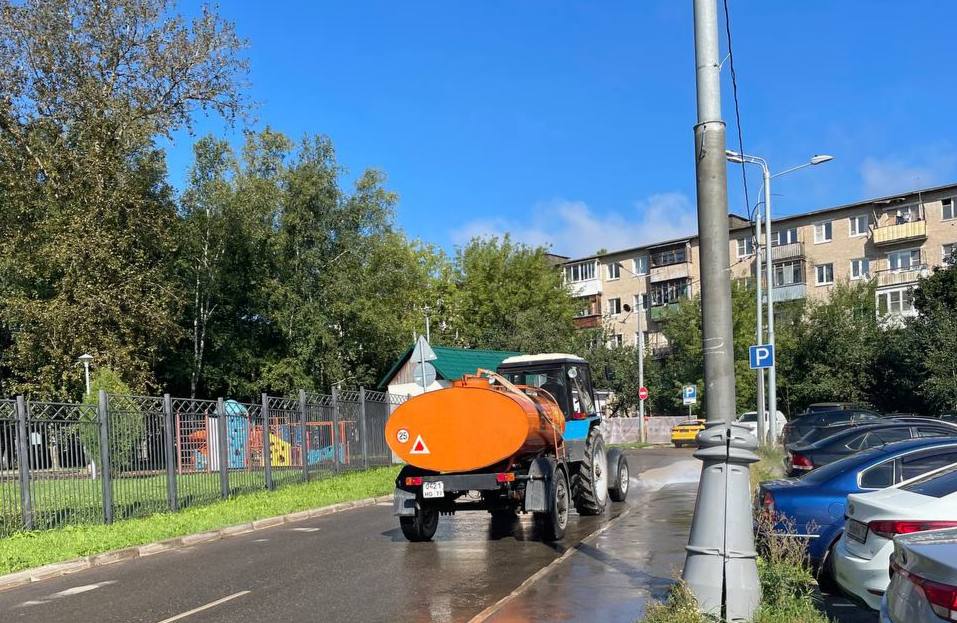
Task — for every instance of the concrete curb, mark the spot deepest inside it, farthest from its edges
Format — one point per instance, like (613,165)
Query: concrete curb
(57,569)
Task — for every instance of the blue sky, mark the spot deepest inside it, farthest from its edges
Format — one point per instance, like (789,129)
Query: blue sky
(569,123)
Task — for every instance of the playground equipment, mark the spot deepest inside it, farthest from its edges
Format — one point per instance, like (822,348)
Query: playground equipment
(524,438)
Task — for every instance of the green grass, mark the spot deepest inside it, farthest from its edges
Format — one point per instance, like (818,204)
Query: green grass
(31,549)
(770,466)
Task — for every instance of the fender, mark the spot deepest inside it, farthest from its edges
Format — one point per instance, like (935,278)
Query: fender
(538,495)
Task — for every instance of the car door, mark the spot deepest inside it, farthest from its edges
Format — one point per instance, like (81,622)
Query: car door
(918,463)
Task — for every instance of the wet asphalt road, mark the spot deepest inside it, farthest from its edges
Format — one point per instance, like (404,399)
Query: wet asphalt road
(351,566)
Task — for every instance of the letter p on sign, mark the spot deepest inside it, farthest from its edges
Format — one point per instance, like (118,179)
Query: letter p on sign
(761,356)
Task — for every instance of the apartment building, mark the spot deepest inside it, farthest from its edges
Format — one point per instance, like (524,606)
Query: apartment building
(892,240)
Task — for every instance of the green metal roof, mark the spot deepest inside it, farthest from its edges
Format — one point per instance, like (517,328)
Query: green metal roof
(452,363)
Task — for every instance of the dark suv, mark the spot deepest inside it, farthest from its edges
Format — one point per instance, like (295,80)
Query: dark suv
(804,424)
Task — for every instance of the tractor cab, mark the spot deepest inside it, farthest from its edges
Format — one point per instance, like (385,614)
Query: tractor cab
(566,377)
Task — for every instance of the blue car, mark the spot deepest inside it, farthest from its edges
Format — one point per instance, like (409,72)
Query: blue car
(815,502)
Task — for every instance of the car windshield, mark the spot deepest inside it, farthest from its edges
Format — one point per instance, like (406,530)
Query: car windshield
(935,484)
(829,471)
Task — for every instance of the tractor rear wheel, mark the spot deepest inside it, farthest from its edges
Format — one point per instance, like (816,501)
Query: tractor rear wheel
(591,492)
(420,527)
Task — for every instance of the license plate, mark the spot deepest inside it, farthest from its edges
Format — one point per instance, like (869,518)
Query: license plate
(856,530)
(433,489)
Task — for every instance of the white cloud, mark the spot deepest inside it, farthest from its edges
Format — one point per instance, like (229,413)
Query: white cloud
(573,228)
(886,176)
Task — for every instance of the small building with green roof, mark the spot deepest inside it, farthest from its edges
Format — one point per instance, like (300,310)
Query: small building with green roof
(450,365)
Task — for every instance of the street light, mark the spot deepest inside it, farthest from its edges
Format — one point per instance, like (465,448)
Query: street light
(85,359)
(734,156)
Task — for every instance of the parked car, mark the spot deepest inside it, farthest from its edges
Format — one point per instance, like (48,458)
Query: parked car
(820,407)
(923,586)
(750,420)
(821,432)
(862,555)
(685,432)
(800,426)
(813,506)
(803,458)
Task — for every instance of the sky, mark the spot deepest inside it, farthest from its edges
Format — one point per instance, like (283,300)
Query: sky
(569,124)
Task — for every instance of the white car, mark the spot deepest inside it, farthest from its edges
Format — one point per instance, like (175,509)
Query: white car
(862,556)
(750,420)
(923,586)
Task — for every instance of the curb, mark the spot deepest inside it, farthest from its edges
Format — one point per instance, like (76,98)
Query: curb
(57,569)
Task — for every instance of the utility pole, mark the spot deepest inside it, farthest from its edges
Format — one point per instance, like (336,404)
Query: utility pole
(762,432)
(641,383)
(720,568)
(772,371)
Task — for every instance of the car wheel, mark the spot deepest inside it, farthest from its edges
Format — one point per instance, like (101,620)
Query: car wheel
(825,574)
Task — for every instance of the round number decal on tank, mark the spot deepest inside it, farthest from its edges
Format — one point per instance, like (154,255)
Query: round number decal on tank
(402,435)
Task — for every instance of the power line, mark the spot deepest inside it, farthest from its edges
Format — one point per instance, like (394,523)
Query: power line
(737,116)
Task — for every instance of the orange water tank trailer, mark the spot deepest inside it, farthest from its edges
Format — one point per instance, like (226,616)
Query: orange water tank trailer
(474,424)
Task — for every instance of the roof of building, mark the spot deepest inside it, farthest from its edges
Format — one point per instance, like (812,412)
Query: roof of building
(738,223)
(541,357)
(452,363)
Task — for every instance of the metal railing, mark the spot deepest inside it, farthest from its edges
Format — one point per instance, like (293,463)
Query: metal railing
(132,456)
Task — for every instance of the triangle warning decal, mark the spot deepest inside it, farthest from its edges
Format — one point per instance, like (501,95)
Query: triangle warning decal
(419,446)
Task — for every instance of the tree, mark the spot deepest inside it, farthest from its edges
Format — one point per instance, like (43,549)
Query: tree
(508,296)
(935,333)
(86,216)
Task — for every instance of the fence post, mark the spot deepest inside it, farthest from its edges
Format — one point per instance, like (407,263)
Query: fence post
(302,433)
(23,462)
(106,475)
(168,430)
(335,429)
(223,448)
(267,450)
(363,433)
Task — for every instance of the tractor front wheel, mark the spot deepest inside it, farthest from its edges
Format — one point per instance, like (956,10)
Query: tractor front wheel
(420,527)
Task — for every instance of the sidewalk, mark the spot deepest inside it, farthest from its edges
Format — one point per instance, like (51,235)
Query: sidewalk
(612,577)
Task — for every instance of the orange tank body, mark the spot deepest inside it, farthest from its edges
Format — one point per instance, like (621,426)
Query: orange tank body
(472,425)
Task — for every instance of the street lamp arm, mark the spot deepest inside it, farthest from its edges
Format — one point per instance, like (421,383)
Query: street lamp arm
(792,169)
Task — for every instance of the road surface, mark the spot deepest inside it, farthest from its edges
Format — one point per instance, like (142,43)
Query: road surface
(350,566)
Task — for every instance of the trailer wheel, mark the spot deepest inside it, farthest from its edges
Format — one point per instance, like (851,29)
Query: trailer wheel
(420,527)
(619,491)
(555,520)
(591,494)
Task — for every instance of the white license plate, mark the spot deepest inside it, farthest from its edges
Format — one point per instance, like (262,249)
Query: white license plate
(433,489)
(856,530)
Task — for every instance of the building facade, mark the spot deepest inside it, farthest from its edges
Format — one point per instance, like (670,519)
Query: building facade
(891,240)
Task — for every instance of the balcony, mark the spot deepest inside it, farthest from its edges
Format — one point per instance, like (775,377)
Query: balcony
(588,287)
(887,277)
(793,251)
(590,321)
(660,313)
(790,292)
(904,232)
(669,272)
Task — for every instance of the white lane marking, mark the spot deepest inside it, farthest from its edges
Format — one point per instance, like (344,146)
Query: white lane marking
(76,590)
(304,529)
(211,604)
(260,540)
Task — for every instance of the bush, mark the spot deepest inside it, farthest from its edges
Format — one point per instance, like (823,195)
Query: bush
(127,424)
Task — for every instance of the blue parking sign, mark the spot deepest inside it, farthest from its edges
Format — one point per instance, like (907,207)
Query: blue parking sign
(761,356)
(689,394)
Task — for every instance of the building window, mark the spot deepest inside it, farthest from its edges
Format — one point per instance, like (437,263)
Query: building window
(641,265)
(616,340)
(859,225)
(614,307)
(949,209)
(903,260)
(675,255)
(824,274)
(822,232)
(745,246)
(784,236)
(899,301)
(665,292)
(905,214)
(583,271)
(947,253)
(614,271)
(860,268)
(788,274)
(641,301)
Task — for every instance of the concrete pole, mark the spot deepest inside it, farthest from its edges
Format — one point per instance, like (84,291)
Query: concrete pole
(641,383)
(772,372)
(762,432)
(720,568)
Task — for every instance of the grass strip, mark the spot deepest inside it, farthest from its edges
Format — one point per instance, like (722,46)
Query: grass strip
(770,467)
(26,550)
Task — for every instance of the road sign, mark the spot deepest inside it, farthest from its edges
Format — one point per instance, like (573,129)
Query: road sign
(422,351)
(642,393)
(429,377)
(761,356)
(689,394)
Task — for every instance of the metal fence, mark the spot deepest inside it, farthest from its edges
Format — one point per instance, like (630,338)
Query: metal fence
(131,456)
